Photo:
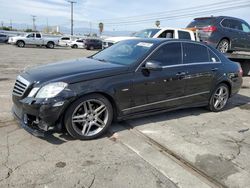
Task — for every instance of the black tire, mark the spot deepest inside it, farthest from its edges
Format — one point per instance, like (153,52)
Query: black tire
(50,45)
(212,102)
(76,129)
(91,48)
(20,44)
(224,46)
(75,46)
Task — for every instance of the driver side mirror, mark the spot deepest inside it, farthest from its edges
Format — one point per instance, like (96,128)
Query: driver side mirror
(153,65)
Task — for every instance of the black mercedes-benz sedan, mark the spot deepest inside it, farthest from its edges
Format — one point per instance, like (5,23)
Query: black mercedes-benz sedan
(131,78)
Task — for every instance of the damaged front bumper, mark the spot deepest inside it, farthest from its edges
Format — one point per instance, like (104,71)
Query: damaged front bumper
(39,115)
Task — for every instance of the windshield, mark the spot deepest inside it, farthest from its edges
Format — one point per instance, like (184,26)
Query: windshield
(124,52)
(201,22)
(146,33)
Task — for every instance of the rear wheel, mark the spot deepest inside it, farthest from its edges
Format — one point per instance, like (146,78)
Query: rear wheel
(91,48)
(223,46)
(89,117)
(50,45)
(20,44)
(219,98)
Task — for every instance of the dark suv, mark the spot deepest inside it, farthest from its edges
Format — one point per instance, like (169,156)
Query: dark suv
(227,34)
(91,44)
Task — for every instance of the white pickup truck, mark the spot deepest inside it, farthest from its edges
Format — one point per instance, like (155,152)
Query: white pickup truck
(33,39)
(175,33)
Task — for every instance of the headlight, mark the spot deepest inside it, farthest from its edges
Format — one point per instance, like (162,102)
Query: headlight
(50,90)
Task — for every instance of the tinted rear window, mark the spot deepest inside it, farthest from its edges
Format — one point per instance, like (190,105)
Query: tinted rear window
(201,22)
(195,53)
(184,35)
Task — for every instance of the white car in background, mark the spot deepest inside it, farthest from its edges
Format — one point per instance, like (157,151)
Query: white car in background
(79,43)
(166,32)
(65,41)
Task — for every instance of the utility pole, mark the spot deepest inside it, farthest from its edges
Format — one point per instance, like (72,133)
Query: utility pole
(72,19)
(2,23)
(90,28)
(34,22)
(10,24)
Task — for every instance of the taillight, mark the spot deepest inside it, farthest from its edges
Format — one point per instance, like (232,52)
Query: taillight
(241,71)
(209,29)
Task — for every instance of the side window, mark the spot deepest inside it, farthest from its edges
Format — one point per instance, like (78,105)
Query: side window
(245,27)
(212,57)
(235,24)
(225,23)
(65,38)
(169,54)
(31,35)
(1,35)
(194,53)
(38,35)
(167,34)
(184,35)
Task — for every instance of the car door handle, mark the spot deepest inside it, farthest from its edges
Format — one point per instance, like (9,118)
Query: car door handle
(214,69)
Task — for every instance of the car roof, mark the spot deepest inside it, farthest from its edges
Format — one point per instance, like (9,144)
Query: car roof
(217,17)
(162,40)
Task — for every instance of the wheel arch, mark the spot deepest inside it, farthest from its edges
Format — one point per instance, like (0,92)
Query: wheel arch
(228,85)
(51,42)
(106,95)
(229,40)
(20,40)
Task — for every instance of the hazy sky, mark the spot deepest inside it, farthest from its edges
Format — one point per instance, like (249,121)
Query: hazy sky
(173,13)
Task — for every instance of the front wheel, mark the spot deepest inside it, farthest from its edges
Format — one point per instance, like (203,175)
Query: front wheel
(219,98)
(74,46)
(89,117)
(20,44)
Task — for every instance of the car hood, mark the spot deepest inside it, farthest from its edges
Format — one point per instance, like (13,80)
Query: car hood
(73,71)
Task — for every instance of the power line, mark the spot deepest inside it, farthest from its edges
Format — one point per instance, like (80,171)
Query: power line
(180,15)
(188,9)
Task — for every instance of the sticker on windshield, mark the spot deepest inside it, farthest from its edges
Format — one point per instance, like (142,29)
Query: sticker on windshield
(145,44)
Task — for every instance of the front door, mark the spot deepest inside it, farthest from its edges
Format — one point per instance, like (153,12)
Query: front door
(156,89)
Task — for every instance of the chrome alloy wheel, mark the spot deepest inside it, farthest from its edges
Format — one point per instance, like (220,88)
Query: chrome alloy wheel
(220,97)
(90,117)
(223,46)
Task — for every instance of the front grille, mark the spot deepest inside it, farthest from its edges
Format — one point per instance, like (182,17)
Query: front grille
(21,85)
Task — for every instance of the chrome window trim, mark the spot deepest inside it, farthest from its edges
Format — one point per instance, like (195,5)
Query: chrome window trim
(163,101)
(167,66)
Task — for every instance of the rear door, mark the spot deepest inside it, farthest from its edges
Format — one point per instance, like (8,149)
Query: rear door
(38,39)
(202,66)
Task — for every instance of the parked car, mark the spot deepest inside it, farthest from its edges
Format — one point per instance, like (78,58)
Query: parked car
(33,39)
(79,43)
(91,44)
(167,32)
(4,38)
(129,79)
(225,33)
(66,41)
